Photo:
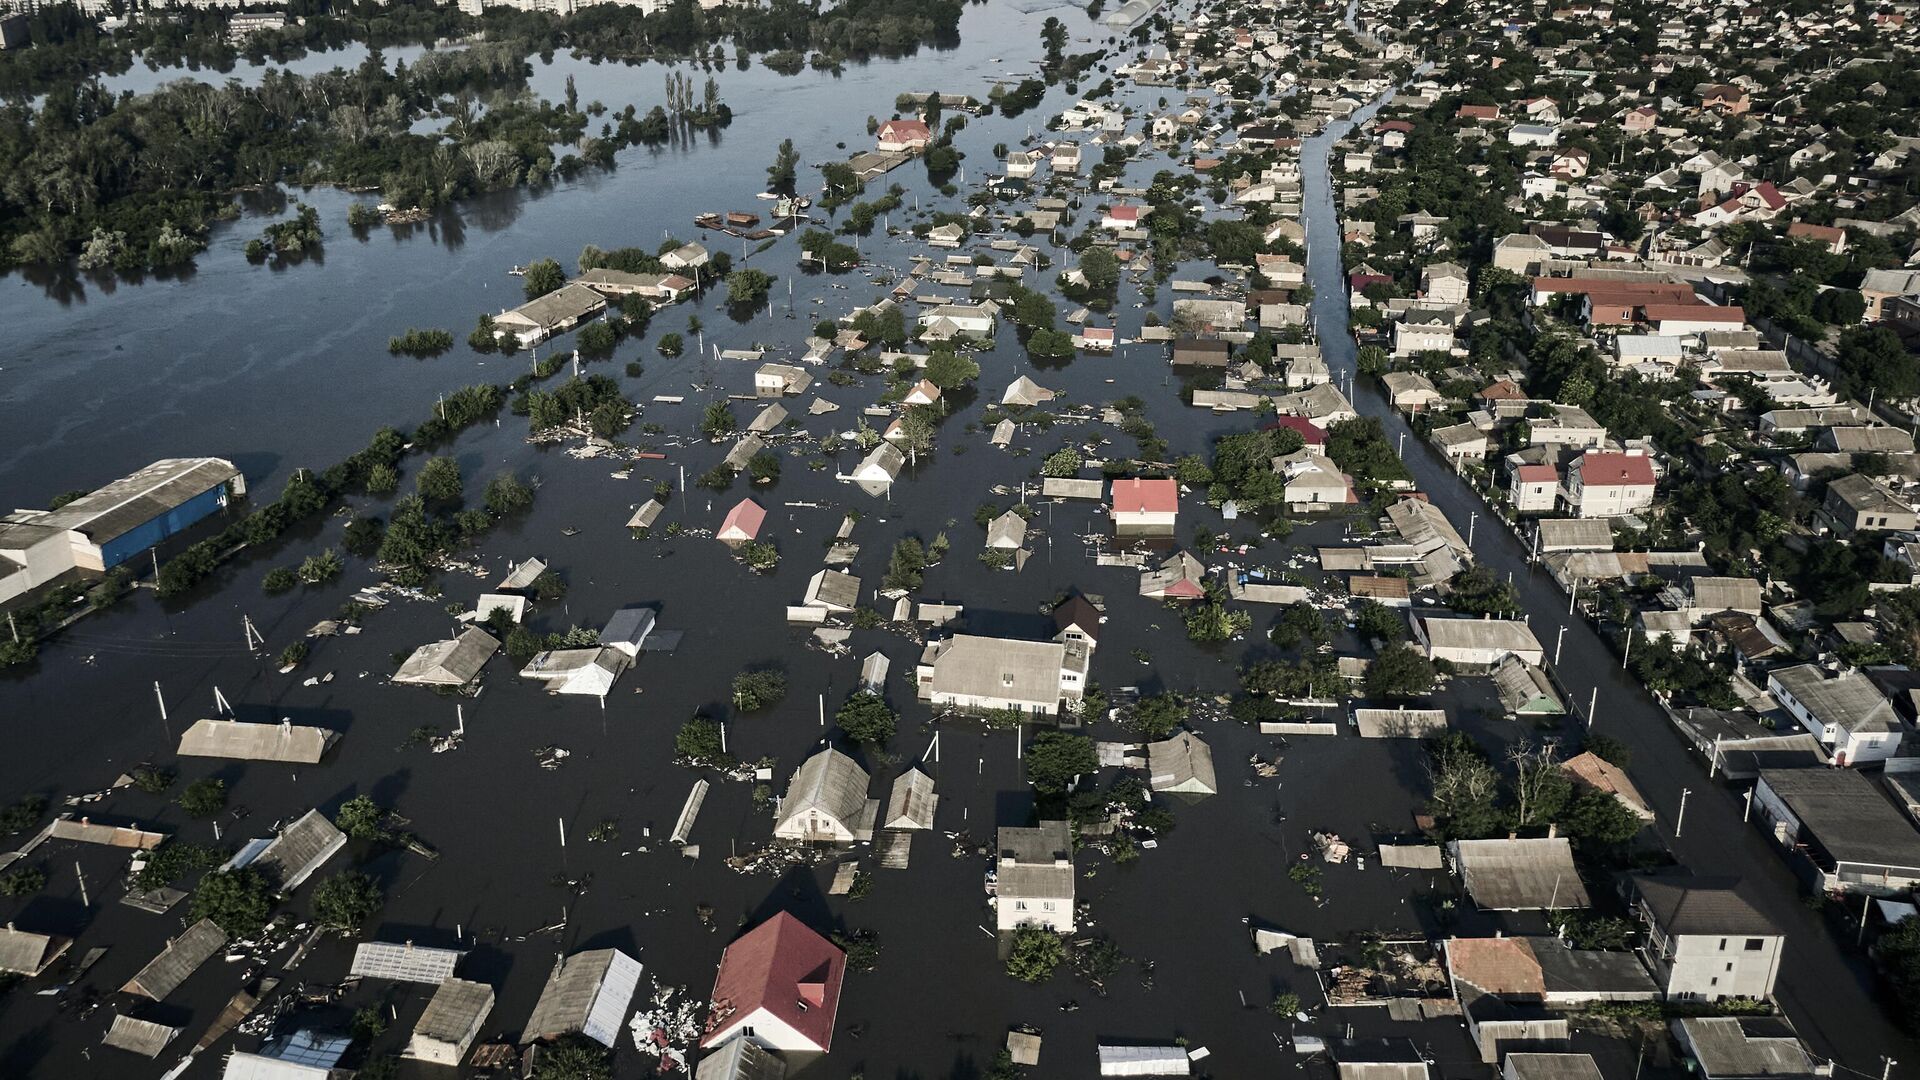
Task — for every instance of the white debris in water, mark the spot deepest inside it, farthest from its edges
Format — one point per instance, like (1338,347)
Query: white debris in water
(667,1027)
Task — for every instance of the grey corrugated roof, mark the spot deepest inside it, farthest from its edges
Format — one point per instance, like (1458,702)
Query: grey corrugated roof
(568,998)
(1043,844)
(285,742)
(404,962)
(1850,700)
(1575,534)
(999,668)
(912,802)
(181,958)
(299,850)
(143,1037)
(830,782)
(1745,1046)
(1520,874)
(27,953)
(1552,1067)
(449,663)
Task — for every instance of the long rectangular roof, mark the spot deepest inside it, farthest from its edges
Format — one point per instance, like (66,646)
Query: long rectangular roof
(285,741)
(404,962)
(573,999)
(299,850)
(134,500)
(456,1009)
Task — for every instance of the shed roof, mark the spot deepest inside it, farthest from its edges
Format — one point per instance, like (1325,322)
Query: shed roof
(1747,1047)
(999,668)
(1575,534)
(143,1037)
(573,995)
(1552,1067)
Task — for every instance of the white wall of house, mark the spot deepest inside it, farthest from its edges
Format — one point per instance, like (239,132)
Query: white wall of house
(1705,967)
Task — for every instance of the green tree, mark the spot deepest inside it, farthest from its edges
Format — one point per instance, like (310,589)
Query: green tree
(1376,621)
(905,565)
(671,345)
(1065,461)
(238,901)
(1054,758)
(320,568)
(382,480)
(950,370)
(204,797)
(1101,268)
(1466,788)
(764,467)
(573,1058)
(700,741)
(1476,591)
(362,819)
(439,480)
(345,901)
(867,720)
(780,175)
(718,420)
(507,496)
(1035,953)
(542,278)
(1596,818)
(757,690)
(748,286)
(1157,717)
(1399,672)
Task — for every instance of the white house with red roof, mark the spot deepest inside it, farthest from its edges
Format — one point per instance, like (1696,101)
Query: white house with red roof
(1094,339)
(779,987)
(1145,505)
(742,523)
(1121,216)
(1535,488)
(1683,320)
(900,135)
(1605,484)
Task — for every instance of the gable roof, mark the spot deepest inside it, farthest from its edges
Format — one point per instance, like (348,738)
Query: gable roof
(1684,904)
(786,968)
(1138,496)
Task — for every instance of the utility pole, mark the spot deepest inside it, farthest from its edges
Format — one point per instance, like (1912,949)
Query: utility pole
(1747,814)
(1593,699)
(81,874)
(1626,652)
(158,697)
(1558,642)
(1886,1070)
(1472,520)
(1682,818)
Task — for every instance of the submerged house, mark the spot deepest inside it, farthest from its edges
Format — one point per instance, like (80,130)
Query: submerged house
(555,313)
(451,1023)
(454,663)
(912,802)
(1181,765)
(283,742)
(1034,877)
(591,670)
(975,673)
(827,802)
(586,994)
(778,987)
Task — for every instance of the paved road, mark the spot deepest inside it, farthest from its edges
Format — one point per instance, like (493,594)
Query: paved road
(1829,991)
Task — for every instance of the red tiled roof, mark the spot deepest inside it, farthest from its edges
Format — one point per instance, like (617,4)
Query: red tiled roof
(746,516)
(1537,474)
(1310,433)
(906,129)
(1123,212)
(787,969)
(1145,497)
(1696,312)
(1614,470)
(1501,390)
(1479,112)
(1502,966)
(1824,233)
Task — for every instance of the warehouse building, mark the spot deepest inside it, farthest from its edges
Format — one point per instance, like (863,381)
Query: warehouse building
(105,528)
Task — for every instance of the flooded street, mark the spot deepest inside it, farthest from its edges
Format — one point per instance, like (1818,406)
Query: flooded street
(287,367)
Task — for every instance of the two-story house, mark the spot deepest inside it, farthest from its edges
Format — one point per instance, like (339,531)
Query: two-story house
(1704,941)
(1601,484)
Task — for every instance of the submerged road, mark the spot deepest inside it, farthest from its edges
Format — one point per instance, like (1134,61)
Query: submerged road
(1827,989)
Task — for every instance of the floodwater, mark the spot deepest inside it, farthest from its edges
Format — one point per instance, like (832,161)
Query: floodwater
(282,368)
